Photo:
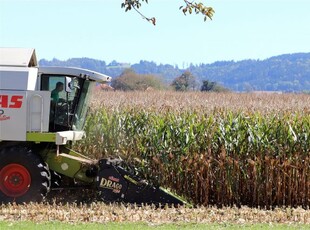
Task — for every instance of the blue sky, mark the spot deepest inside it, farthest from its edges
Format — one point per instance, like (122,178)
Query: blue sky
(100,29)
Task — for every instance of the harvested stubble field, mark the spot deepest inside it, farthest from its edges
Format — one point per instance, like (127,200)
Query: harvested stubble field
(102,213)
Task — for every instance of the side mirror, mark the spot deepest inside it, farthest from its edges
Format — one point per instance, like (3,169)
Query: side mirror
(69,86)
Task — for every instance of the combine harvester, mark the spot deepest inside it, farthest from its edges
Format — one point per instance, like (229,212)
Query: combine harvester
(42,111)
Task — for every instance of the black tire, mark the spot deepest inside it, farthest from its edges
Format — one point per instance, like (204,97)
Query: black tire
(24,177)
(48,176)
(55,179)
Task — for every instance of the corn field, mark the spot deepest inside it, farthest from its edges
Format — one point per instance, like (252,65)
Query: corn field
(212,149)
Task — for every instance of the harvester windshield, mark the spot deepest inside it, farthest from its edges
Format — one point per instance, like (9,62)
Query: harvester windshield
(82,106)
(69,101)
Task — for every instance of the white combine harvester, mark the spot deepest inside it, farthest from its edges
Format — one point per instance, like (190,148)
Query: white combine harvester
(42,110)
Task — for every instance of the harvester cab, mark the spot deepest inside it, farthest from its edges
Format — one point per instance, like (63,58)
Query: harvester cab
(42,111)
(70,91)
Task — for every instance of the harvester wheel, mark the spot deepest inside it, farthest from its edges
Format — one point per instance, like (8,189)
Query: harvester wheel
(24,177)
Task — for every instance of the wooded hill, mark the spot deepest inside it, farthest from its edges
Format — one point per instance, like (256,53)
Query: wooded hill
(288,72)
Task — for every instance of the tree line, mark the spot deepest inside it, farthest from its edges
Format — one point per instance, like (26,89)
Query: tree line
(287,73)
(130,80)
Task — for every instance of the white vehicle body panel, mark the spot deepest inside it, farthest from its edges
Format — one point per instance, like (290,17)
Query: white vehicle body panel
(18,78)
(13,109)
(25,57)
(22,112)
(24,107)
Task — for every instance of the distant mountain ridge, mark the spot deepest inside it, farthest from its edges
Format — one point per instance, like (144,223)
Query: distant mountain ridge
(287,72)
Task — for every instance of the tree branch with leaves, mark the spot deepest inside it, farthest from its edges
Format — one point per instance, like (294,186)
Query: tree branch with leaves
(188,7)
(199,8)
